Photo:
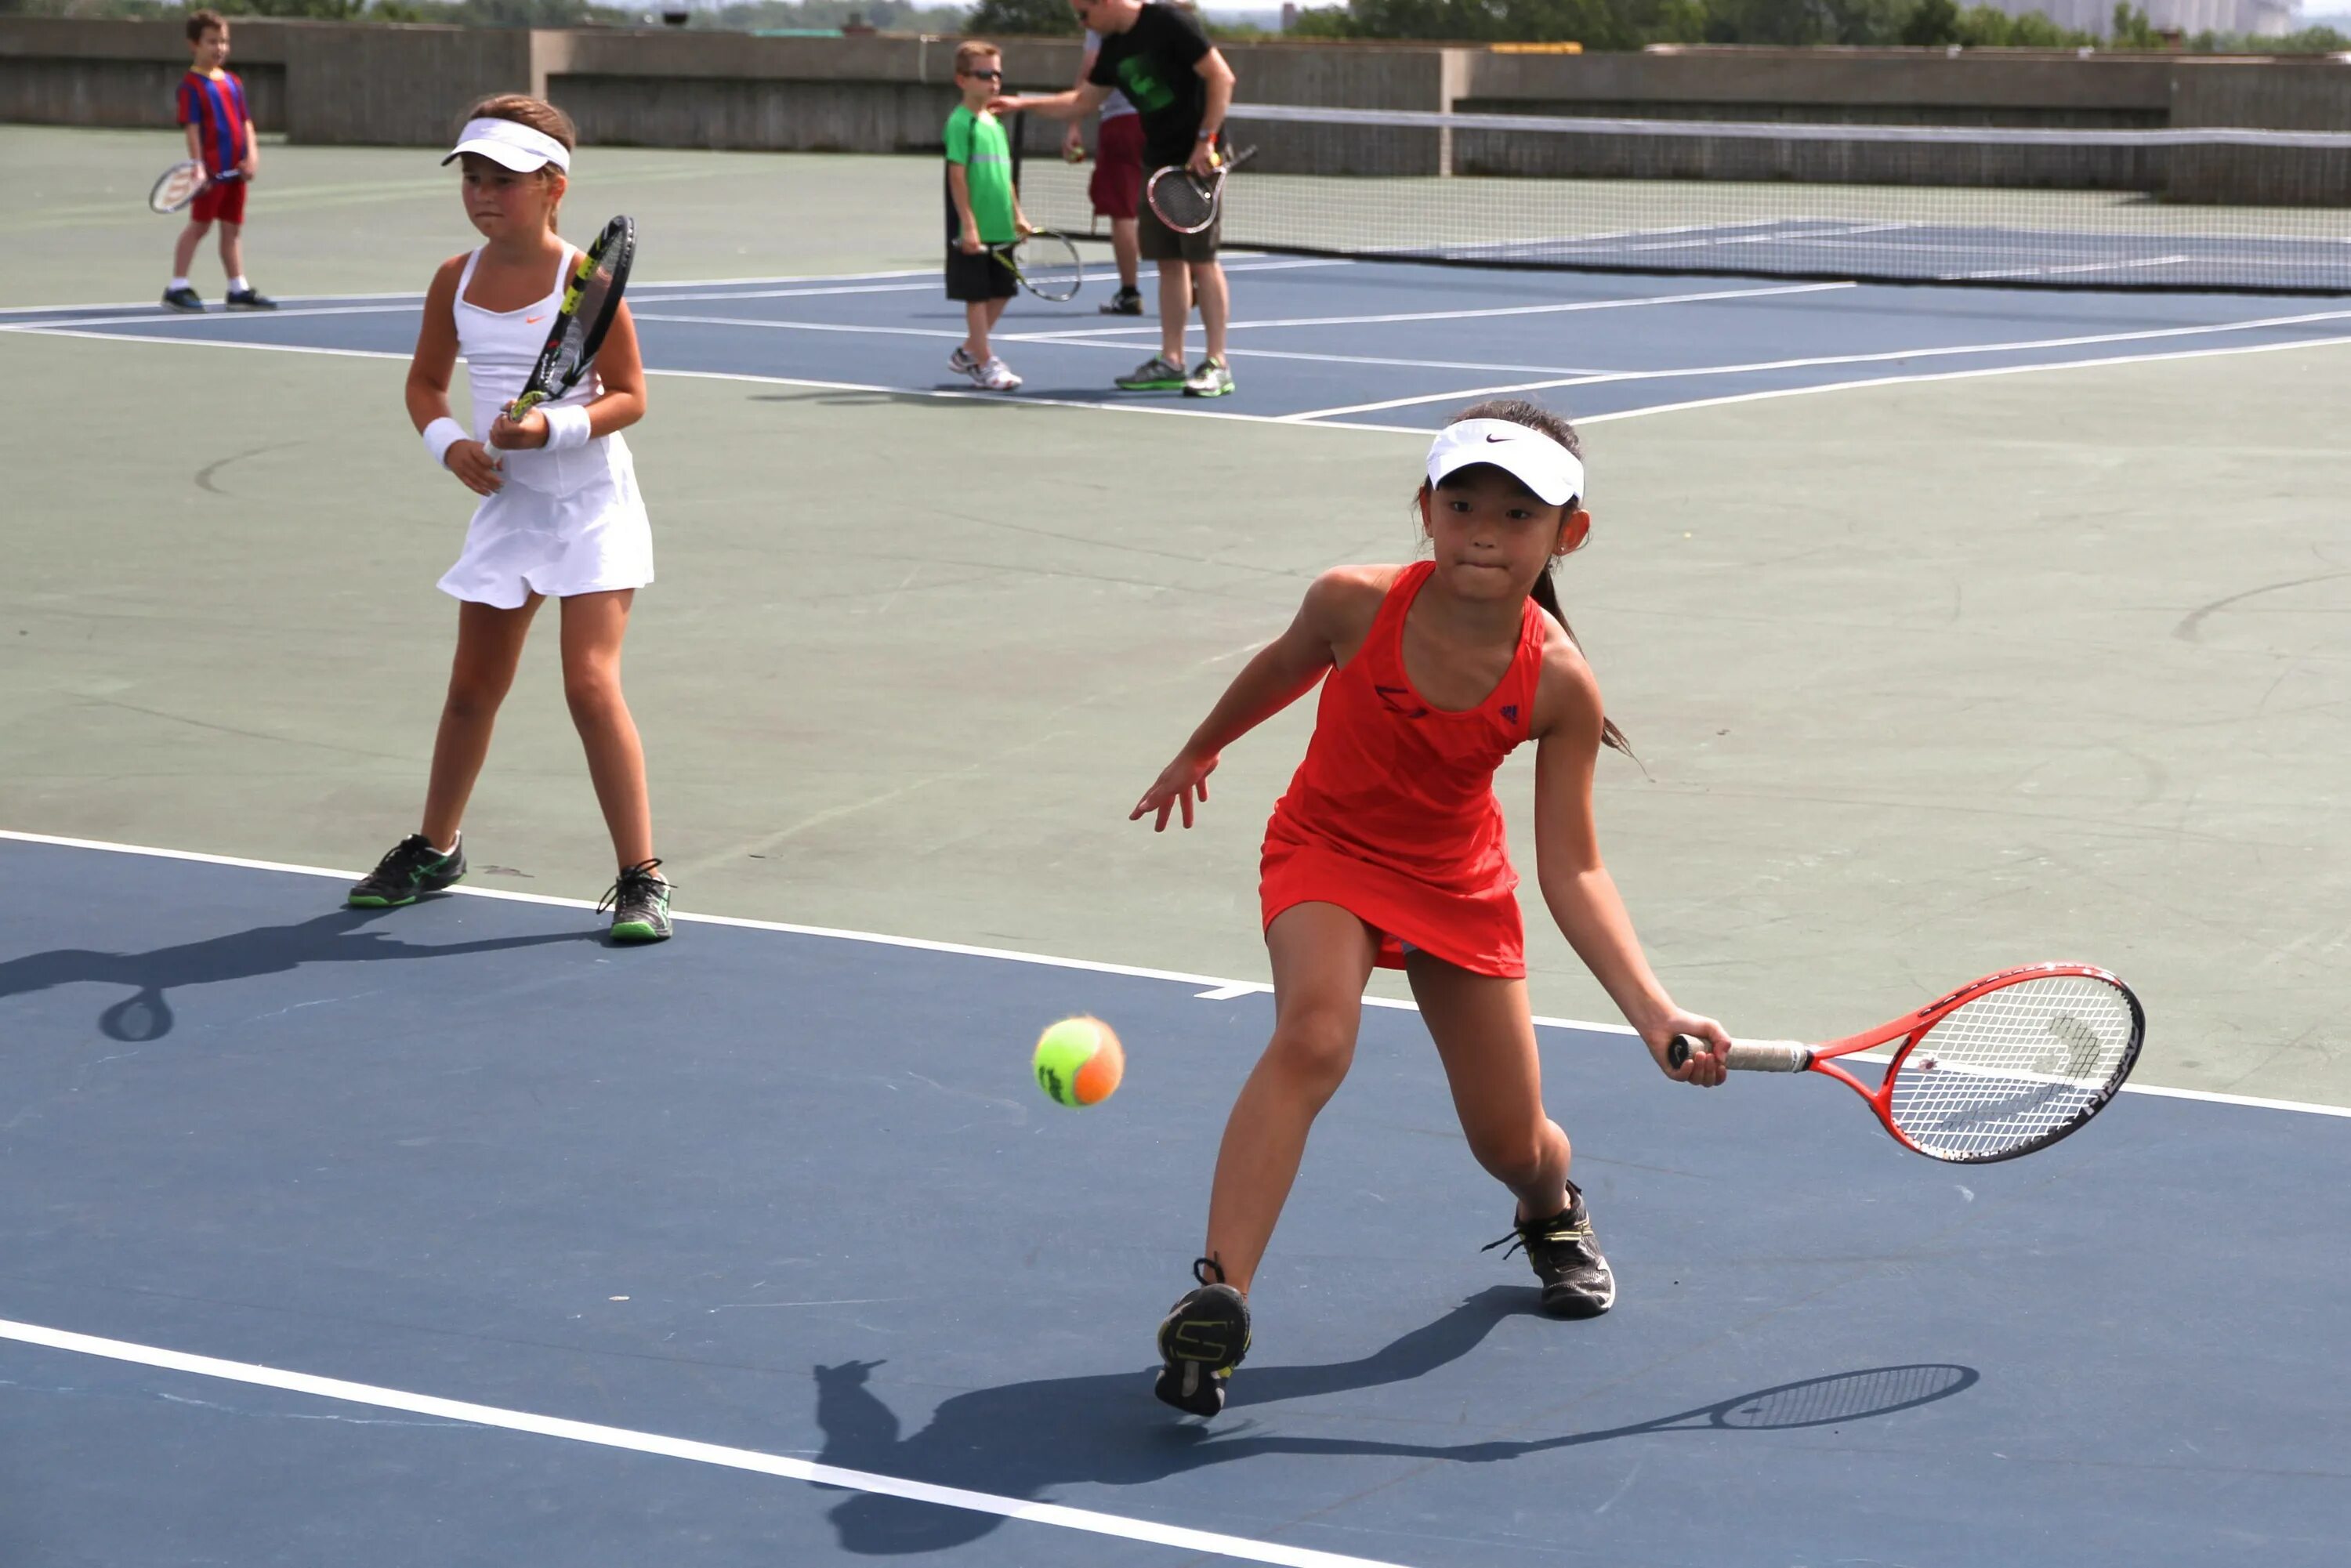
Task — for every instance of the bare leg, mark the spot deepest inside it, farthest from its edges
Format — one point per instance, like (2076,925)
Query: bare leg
(593,625)
(233,250)
(1322,957)
(1485,1038)
(1127,250)
(184,250)
(489,645)
(1216,303)
(976,324)
(1174,308)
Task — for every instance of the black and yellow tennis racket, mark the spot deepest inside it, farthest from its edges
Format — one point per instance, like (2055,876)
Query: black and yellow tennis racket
(1046,264)
(589,303)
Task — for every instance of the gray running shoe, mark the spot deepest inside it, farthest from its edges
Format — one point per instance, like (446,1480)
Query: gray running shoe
(1210,379)
(1158,373)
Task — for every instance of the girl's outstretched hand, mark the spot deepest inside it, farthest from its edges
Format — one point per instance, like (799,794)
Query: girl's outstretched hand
(1705,1064)
(1178,784)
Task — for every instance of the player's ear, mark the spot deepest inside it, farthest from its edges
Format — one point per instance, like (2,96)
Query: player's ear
(1427,527)
(1573,529)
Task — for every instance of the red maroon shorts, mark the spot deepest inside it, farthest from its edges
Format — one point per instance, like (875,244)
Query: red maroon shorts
(1117,184)
(223,201)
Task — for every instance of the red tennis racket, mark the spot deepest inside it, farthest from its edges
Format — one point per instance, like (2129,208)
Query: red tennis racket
(2001,1067)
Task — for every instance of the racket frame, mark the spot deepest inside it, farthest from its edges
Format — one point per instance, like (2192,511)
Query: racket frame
(155,192)
(619,241)
(1211,189)
(1004,254)
(1910,1029)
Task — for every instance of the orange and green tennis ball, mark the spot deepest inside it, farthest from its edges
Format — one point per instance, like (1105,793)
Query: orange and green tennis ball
(1079,1061)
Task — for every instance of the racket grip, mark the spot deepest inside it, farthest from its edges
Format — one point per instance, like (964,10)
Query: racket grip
(1746,1056)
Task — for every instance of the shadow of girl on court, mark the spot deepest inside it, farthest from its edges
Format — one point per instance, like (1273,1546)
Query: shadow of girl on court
(339,937)
(1021,1439)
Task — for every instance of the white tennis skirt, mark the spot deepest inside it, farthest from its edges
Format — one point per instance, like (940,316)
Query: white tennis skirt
(589,537)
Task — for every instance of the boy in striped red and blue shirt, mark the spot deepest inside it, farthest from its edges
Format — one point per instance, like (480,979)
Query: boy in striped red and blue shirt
(220,138)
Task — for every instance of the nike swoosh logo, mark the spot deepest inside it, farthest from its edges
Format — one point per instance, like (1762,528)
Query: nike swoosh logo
(1498,438)
(535,320)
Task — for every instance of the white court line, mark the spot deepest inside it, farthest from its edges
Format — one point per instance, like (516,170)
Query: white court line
(950,394)
(1882,357)
(1216,988)
(1959,376)
(1077,340)
(725,1458)
(639,284)
(1627,303)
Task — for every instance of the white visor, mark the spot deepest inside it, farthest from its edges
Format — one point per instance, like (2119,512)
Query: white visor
(1544,466)
(511,146)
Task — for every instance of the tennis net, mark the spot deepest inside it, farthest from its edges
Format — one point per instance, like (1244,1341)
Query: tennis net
(2220,209)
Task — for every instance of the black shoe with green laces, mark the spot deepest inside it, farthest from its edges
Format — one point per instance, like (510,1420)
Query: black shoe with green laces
(640,903)
(413,867)
(1201,1340)
(1576,1280)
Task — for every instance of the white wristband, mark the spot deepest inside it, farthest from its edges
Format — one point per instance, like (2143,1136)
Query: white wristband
(566,426)
(442,434)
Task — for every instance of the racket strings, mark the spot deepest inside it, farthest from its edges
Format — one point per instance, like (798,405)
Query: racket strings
(1847,1396)
(2014,1067)
(1183,201)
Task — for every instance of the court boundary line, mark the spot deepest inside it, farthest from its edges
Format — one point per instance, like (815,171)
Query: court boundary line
(949,395)
(722,1456)
(1219,988)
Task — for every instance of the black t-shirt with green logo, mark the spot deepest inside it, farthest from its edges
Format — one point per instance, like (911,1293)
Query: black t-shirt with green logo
(1152,63)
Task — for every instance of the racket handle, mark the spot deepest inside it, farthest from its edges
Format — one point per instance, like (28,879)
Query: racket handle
(1748,1056)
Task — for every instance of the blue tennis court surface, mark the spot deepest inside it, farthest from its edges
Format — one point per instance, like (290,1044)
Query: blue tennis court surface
(1331,342)
(792,1195)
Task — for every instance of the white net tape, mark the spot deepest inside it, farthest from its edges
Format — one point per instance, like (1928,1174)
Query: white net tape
(2014,1066)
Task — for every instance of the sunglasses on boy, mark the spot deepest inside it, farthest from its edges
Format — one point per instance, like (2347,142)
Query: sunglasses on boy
(985,76)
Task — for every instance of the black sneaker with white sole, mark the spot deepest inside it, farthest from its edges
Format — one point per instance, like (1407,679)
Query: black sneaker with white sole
(413,867)
(184,298)
(1576,1280)
(1202,1337)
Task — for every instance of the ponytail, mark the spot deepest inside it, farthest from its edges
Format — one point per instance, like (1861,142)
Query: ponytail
(1547,595)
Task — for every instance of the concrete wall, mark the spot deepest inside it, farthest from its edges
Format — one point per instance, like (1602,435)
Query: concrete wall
(334,82)
(56,71)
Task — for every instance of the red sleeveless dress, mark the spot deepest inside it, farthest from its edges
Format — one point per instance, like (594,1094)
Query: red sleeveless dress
(1392,816)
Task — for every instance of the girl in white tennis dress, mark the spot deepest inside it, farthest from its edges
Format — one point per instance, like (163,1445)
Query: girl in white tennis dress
(559,516)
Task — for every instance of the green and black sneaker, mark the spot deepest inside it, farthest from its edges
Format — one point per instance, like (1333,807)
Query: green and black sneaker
(1576,1280)
(413,867)
(1158,373)
(1202,1337)
(640,903)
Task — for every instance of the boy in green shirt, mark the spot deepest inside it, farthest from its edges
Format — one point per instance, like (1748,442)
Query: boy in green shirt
(983,214)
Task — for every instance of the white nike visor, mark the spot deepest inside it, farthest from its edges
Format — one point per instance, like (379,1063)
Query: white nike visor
(510,146)
(1553,473)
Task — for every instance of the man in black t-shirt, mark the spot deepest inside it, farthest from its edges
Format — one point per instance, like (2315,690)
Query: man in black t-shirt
(1181,86)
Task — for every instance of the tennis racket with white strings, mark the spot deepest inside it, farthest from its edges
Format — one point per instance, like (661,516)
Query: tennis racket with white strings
(1045,263)
(1188,203)
(2001,1067)
(181,183)
(590,302)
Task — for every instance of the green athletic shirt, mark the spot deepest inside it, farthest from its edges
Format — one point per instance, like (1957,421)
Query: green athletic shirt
(976,142)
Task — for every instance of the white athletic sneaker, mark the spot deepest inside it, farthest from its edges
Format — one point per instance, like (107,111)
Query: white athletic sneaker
(961,361)
(997,376)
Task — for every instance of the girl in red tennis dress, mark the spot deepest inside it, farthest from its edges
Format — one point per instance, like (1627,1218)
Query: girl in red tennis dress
(1387,851)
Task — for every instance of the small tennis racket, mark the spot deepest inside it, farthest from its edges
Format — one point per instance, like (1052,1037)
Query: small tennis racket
(1045,262)
(2001,1067)
(1188,203)
(179,184)
(590,304)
